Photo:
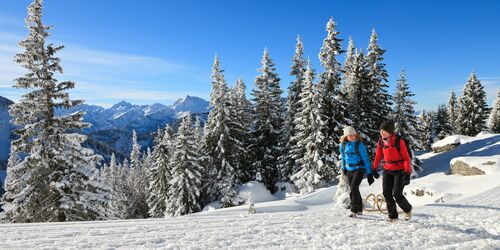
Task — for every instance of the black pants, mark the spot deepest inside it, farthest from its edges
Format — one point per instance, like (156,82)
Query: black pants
(355,178)
(393,185)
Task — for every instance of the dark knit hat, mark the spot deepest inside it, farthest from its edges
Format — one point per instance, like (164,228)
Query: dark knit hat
(387,126)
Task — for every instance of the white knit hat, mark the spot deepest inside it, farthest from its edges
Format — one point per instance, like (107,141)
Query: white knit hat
(349,131)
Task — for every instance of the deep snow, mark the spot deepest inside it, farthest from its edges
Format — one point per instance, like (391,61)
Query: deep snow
(455,212)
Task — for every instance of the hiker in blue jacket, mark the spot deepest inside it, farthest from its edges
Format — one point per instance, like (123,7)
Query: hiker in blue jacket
(355,164)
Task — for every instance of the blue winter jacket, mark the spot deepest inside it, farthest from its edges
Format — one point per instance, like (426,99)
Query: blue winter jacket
(349,158)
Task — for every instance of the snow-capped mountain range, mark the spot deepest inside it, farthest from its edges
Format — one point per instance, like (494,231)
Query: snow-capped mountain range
(111,129)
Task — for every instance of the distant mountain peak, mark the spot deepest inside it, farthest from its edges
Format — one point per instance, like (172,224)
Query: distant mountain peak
(190,103)
(121,105)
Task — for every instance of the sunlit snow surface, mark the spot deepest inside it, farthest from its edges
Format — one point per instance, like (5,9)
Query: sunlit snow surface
(455,212)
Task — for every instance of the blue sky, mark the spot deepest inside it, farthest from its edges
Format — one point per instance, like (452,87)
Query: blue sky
(158,51)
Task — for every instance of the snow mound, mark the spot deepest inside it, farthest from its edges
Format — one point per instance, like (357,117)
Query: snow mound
(258,190)
(453,139)
(461,139)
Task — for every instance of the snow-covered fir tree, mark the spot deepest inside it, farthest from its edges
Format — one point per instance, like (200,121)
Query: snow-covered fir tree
(240,128)
(185,185)
(378,74)
(135,187)
(452,111)
(332,106)
(472,108)
(342,198)
(59,179)
(160,174)
(114,178)
(360,101)
(309,138)
(268,145)
(135,154)
(426,129)
(442,123)
(223,180)
(293,106)
(405,119)
(494,119)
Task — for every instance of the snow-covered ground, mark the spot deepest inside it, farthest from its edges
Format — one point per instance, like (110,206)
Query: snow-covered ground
(455,212)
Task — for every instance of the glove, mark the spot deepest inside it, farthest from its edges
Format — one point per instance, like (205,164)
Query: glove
(345,171)
(375,174)
(370,179)
(406,178)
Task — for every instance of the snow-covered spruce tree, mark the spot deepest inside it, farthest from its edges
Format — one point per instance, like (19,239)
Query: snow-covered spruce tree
(360,101)
(159,174)
(332,107)
(381,97)
(405,119)
(185,185)
(222,181)
(349,60)
(452,112)
(494,119)
(135,188)
(13,186)
(309,138)
(292,151)
(59,180)
(426,130)
(114,179)
(442,122)
(472,108)
(342,198)
(135,154)
(240,129)
(268,145)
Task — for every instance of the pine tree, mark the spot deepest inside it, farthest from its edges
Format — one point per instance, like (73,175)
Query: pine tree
(360,99)
(59,179)
(309,138)
(405,119)
(136,184)
(268,145)
(472,108)
(426,130)
(452,112)
(240,129)
(293,105)
(332,107)
(185,185)
(160,174)
(494,119)
(116,181)
(442,123)
(381,98)
(223,180)
(135,154)
(346,88)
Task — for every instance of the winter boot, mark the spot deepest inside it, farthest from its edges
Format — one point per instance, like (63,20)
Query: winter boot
(353,215)
(408,215)
(393,220)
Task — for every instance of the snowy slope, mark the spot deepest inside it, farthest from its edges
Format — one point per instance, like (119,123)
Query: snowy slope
(466,218)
